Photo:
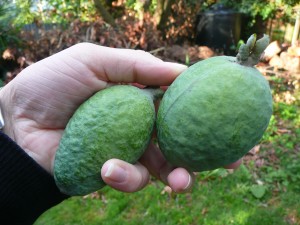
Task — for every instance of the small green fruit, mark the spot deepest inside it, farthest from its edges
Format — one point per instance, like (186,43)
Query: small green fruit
(215,111)
(116,122)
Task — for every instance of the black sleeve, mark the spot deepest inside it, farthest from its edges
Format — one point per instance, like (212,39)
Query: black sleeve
(26,189)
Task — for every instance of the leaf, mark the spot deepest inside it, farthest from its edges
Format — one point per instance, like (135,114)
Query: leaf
(214,174)
(258,191)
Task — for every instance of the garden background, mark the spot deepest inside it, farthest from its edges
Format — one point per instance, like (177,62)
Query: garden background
(266,188)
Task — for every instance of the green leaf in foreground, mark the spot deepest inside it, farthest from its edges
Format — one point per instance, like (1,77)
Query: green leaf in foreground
(258,191)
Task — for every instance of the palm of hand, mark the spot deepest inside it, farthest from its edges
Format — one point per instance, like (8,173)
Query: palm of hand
(45,98)
(45,95)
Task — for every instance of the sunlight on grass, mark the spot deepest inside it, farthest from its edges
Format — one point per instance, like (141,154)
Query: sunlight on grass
(220,201)
(241,217)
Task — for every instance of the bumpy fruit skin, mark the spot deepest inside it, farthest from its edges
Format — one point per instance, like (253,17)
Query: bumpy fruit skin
(213,114)
(116,122)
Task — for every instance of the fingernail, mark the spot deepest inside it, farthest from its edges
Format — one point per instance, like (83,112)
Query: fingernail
(189,183)
(178,67)
(115,173)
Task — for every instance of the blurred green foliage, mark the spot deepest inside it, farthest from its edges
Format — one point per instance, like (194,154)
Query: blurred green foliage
(8,32)
(14,15)
(53,11)
(265,9)
(60,11)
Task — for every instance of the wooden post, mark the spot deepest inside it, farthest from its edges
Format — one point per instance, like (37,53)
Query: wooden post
(297,26)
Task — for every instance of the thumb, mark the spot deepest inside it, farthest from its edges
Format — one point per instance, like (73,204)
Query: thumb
(124,176)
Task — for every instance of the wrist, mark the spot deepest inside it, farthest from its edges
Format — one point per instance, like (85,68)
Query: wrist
(1,116)
(4,123)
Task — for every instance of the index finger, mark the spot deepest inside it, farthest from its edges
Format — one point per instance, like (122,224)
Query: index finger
(126,65)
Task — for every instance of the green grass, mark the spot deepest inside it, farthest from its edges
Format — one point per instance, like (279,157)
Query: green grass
(217,200)
(263,191)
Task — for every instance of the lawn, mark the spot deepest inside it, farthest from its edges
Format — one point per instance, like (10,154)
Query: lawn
(224,198)
(265,190)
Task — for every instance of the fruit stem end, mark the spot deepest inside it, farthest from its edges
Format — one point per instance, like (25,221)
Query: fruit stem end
(250,53)
(154,92)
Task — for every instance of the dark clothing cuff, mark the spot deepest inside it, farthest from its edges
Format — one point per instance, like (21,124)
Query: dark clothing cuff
(26,189)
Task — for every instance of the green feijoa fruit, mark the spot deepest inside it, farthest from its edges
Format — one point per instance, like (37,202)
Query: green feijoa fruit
(116,122)
(216,110)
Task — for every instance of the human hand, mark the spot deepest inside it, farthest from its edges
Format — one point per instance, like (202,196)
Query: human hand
(39,102)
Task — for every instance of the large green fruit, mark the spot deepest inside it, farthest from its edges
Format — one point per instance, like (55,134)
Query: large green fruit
(116,122)
(215,111)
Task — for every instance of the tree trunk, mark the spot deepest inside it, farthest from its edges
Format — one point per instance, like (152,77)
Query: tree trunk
(163,12)
(296,28)
(107,17)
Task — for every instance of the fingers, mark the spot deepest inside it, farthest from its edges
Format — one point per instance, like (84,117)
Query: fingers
(234,165)
(123,176)
(126,177)
(179,179)
(125,65)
